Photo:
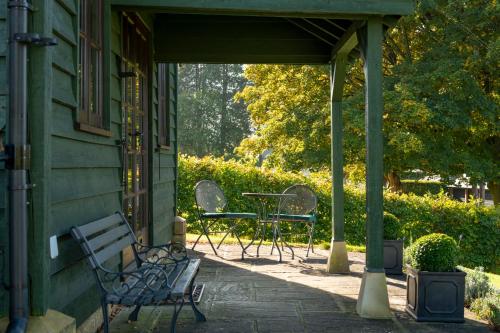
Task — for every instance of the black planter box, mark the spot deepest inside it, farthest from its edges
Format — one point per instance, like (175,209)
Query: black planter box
(393,257)
(435,296)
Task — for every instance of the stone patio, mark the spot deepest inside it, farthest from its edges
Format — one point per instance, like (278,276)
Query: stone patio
(262,295)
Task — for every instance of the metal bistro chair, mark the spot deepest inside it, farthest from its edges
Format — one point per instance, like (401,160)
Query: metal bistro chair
(211,203)
(300,208)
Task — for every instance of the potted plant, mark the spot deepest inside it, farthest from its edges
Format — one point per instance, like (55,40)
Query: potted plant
(434,286)
(393,247)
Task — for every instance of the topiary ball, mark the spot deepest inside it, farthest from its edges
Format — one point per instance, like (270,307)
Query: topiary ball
(391,226)
(433,253)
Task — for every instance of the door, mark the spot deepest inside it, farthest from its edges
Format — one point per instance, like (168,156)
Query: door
(135,107)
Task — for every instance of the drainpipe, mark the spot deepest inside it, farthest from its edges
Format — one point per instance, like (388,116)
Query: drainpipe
(18,156)
(17,161)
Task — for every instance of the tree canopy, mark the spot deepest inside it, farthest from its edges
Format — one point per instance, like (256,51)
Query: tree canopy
(441,99)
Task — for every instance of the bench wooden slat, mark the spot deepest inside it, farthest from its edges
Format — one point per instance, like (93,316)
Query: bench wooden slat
(100,225)
(112,250)
(186,277)
(109,236)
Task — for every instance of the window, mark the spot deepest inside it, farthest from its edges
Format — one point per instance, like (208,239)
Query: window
(163,105)
(90,67)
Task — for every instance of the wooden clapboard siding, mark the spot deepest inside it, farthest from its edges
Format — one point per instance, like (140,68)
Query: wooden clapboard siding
(3,186)
(85,176)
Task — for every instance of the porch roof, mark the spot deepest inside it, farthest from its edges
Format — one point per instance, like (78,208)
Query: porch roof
(264,31)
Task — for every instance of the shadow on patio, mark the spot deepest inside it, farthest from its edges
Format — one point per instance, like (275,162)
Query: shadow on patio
(261,295)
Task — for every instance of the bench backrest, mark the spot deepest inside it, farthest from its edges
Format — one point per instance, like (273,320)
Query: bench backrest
(103,239)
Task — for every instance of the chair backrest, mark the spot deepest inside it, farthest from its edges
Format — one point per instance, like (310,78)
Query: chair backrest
(103,239)
(209,196)
(304,202)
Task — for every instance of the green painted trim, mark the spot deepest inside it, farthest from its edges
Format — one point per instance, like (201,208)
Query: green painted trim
(40,111)
(338,73)
(371,38)
(290,8)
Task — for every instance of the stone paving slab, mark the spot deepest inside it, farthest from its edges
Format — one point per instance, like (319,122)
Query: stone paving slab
(260,295)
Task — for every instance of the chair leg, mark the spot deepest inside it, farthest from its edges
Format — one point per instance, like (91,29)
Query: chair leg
(223,238)
(176,314)
(197,313)
(311,235)
(264,229)
(105,317)
(284,241)
(134,314)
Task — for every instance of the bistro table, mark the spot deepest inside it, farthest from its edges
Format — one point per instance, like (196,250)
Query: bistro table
(268,213)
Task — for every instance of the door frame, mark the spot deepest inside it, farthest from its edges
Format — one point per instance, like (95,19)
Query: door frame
(147,135)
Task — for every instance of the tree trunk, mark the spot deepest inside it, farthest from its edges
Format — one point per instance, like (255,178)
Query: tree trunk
(494,187)
(394,181)
(223,116)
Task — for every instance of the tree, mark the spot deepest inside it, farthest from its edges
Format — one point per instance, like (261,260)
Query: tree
(210,121)
(441,99)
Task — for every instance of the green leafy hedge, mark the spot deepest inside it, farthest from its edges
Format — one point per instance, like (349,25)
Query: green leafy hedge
(418,215)
(421,187)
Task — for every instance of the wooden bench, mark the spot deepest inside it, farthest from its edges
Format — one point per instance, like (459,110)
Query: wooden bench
(162,274)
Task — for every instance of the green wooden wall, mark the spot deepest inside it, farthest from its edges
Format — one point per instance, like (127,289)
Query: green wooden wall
(78,175)
(85,176)
(3,112)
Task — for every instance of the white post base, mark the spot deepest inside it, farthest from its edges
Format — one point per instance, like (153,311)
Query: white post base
(338,261)
(373,299)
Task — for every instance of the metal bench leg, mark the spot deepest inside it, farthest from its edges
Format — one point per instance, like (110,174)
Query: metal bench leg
(197,313)
(176,314)
(105,317)
(134,314)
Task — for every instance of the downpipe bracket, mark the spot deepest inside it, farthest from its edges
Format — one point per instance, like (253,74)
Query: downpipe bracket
(34,39)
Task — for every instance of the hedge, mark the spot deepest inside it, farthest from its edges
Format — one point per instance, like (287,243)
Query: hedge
(418,215)
(421,187)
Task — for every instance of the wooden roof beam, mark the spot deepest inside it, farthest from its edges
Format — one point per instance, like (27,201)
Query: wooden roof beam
(349,9)
(348,41)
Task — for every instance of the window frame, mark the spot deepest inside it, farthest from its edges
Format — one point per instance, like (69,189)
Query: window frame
(91,43)
(164,133)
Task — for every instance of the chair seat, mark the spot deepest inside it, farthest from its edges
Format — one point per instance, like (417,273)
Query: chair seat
(228,215)
(294,218)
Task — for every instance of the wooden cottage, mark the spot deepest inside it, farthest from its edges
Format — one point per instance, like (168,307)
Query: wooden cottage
(102,115)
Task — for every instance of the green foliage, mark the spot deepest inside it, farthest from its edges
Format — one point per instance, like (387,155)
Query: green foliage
(421,187)
(391,226)
(433,253)
(477,285)
(210,121)
(418,215)
(488,308)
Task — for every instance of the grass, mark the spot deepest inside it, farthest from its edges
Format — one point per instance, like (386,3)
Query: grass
(233,241)
(494,278)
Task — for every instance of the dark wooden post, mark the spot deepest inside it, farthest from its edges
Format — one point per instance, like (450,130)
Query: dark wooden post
(373,300)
